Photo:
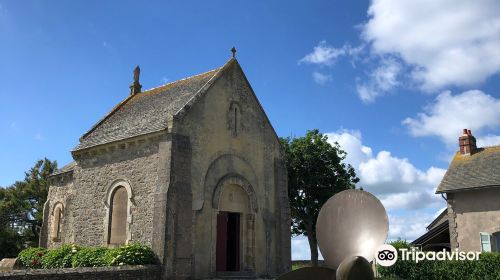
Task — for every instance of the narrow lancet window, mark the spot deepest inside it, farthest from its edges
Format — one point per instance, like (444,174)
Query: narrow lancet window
(118,216)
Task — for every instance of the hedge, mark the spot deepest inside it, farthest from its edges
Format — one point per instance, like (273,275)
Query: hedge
(90,257)
(60,257)
(32,257)
(70,255)
(486,268)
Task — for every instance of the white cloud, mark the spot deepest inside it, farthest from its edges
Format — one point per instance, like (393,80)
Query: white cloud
(321,79)
(409,226)
(350,141)
(323,54)
(406,192)
(367,94)
(301,250)
(449,114)
(382,80)
(400,186)
(448,42)
(488,140)
(385,76)
(386,175)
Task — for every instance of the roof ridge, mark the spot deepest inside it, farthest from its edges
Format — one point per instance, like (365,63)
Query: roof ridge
(180,80)
(488,147)
(151,90)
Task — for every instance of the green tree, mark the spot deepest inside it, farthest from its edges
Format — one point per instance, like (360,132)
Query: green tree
(315,173)
(21,207)
(10,239)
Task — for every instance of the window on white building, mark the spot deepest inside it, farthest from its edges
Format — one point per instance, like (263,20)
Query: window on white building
(485,242)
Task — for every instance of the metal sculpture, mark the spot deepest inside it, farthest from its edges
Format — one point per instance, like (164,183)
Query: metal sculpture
(350,227)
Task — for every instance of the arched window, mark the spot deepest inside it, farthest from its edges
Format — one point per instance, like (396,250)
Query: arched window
(118,212)
(56,229)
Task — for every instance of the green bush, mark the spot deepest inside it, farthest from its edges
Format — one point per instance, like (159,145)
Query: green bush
(61,257)
(90,257)
(130,254)
(486,268)
(74,256)
(32,257)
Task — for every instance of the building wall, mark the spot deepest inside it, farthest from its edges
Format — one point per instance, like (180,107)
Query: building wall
(251,154)
(60,191)
(472,212)
(85,217)
(137,272)
(173,178)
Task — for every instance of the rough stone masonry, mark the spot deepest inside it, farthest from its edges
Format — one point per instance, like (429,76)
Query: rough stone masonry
(200,174)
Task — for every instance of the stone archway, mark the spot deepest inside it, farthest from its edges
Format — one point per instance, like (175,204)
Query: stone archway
(123,189)
(235,204)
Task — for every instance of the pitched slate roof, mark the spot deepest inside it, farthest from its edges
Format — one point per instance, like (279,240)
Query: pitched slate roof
(145,112)
(67,168)
(443,216)
(481,169)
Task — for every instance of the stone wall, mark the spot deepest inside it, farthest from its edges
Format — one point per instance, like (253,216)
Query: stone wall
(139,272)
(60,192)
(86,215)
(230,135)
(284,250)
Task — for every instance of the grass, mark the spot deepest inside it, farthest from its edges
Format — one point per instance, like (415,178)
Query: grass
(298,265)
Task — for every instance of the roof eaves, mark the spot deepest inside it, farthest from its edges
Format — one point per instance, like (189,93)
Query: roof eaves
(118,106)
(437,218)
(76,149)
(431,233)
(65,169)
(60,173)
(466,189)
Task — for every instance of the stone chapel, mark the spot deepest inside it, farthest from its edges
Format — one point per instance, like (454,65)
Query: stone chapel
(192,168)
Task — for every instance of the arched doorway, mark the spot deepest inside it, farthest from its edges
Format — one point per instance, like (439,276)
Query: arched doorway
(233,205)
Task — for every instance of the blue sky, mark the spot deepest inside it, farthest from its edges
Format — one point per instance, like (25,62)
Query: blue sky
(393,82)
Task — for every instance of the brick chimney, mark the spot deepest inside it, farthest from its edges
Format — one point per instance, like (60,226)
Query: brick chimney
(467,143)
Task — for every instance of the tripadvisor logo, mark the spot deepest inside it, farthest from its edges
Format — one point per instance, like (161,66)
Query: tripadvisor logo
(387,255)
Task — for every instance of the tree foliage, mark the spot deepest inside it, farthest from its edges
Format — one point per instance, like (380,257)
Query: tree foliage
(316,172)
(21,209)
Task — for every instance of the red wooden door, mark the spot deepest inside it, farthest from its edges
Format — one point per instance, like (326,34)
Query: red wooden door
(221,246)
(233,241)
